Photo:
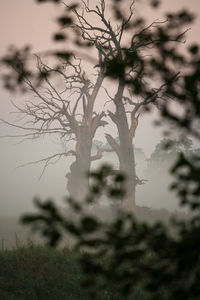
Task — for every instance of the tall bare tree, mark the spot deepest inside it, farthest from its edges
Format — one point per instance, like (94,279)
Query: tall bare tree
(122,41)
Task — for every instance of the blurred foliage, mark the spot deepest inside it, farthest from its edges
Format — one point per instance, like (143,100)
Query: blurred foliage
(125,253)
(126,256)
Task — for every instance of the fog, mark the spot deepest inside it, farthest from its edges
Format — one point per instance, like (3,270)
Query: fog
(18,186)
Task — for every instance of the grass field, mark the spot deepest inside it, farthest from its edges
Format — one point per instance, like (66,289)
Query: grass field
(29,270)
(14,235)
(38,272)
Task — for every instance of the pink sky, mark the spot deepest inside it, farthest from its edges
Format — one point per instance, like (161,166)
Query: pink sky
(27,22)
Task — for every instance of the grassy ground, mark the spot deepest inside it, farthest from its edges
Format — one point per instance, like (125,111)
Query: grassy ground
(38,272)
(13,234)
(30,272)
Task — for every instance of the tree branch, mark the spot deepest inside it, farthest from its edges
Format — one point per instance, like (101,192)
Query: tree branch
(113,144)
(48,160)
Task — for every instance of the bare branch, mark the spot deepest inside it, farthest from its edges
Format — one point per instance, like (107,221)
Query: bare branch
(114,145)
(48,160)
(133,127)
(99,153)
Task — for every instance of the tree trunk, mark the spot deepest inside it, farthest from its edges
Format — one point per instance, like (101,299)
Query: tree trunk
(127,166)
(126,152)
(78,181)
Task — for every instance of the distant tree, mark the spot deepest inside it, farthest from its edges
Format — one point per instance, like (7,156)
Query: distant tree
(139,154)
(166,152)
(97,143)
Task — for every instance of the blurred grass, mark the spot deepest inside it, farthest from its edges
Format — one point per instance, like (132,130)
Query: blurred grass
(31,271)
(39,272)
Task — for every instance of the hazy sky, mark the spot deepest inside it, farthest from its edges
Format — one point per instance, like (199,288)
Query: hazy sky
(25,22)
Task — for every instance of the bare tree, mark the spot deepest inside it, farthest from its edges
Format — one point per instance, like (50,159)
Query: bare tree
(122,56)
(66,109)
(122,42)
